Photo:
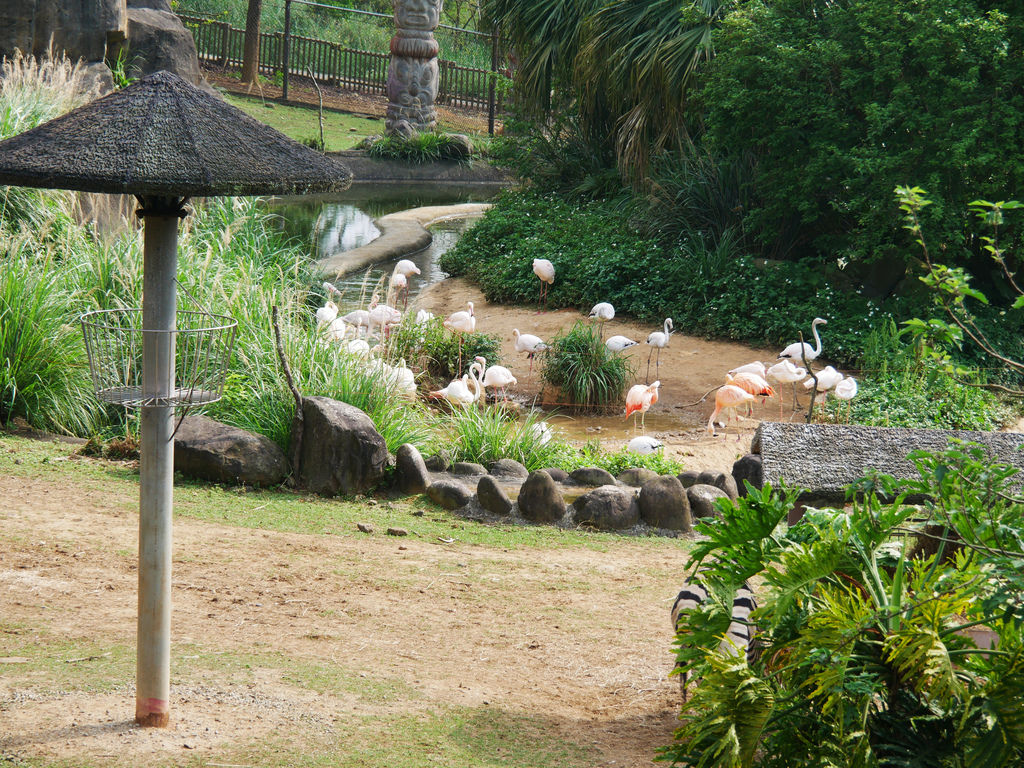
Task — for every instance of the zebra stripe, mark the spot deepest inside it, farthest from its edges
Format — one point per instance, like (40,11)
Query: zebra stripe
(739,638)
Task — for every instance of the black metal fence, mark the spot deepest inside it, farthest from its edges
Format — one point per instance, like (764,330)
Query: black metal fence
(361,71)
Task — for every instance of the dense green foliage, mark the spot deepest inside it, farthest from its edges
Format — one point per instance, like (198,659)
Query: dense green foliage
(865,658)
(840,102)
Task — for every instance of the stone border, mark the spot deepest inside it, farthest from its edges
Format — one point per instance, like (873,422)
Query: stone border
(401,234)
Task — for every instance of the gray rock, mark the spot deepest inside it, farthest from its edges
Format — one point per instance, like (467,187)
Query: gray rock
(397,532)
(411,476)
(209,450)
(97,81)
(720,480)
(558,475)
(663,504)
(592,476)
(440,461)
(158,40)
(702,500)
(81,29)
(608,508)
(509,468)
(342,452)
(492,496)
(747,469)
(540,501)
(462,146)
(688,478)
(156,5)
(468,468)
(450,494)
(636,477)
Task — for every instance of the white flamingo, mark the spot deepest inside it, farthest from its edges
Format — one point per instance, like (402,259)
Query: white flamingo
(620,343)
(846,390)
(827,379)
(327,312)
(545,270)
(383,315)
(358,347)
(758,369)
(458,391)
(495,376)
(530,344)
(644,445)
(543,432)
(787,373)
(602,312)
(406,268)
(801,350)
(461,323)
(404,380)
(399,284)
(658,341)
(360,318)
(336,330)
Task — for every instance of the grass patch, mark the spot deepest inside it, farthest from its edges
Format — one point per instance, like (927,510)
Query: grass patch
(342,130)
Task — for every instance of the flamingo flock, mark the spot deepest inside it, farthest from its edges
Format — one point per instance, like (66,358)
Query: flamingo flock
(744,385)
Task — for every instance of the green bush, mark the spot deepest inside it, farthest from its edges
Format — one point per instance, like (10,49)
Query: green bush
(421,148)
(585,372)
(486,435)
(433,348)
(864,658)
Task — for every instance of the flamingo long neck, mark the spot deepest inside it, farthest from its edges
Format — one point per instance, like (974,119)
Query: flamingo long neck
(668,327)
(817,339)
(476,382)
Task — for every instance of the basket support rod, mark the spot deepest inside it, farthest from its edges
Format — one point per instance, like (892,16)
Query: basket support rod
(156,467)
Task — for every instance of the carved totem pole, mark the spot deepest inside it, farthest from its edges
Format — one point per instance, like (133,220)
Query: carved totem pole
(413,72)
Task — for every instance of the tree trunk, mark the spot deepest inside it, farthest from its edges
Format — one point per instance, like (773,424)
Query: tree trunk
(251,52)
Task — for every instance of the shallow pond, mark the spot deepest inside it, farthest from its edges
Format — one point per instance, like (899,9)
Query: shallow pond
(338,223)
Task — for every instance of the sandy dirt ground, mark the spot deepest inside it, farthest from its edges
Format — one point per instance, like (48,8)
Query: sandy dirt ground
(690,368)
(576,639)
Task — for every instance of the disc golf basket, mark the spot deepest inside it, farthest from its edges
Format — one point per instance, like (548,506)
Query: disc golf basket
(201,344)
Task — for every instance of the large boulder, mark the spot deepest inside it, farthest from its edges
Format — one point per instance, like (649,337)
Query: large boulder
(509,468)
(663,504)
(702,500)
(341,452)
(747,469)
(492,496)
(209,450)
(158,40)
(592,476)
(608,508)
(450,494)
(636,477)
(720,480)
(81,29)
(468,468)
(540,501)
(411,476)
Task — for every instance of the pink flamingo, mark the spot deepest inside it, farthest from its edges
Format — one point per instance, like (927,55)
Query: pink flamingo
(728,397)
(639,399)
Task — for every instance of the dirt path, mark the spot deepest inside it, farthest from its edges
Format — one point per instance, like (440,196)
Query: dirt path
(576,640)
(690,367)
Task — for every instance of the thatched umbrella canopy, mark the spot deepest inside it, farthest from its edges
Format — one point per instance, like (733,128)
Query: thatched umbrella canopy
(164,141)
(164,137)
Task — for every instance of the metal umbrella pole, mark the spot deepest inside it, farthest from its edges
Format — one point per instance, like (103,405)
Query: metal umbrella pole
(156,482)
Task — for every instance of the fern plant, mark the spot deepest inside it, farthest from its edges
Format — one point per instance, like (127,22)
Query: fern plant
(868,658)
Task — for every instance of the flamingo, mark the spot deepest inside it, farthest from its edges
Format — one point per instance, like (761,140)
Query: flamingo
(458,392)
(542,431)
(728,397)
(827,378)
(382,315)
(404,380)
(752,383)
(496,376)
(785,372)
(602,312)
(330,289)
(406,269)
(755,368)
(545,270)
(530,344)
(658,340)
(360,318)
(619,343)
(399,284)
(846,390)
(801,350)
(358,347)
(644,445)
(461,323)
(327,312)
(639,399)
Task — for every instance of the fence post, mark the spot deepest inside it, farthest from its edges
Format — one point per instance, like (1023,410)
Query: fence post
(225,29)
(494,80)
(287,45)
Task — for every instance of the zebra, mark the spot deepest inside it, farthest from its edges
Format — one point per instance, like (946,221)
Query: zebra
(740,637)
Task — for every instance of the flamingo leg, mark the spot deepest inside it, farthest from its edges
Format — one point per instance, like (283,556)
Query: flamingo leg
(649,363)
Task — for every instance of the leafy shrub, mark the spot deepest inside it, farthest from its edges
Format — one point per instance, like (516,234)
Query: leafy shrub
(435,349)
(421,148)
(865,659)
(584,371)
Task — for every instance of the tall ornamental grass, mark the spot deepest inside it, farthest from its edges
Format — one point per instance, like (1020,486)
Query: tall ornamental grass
(587,375)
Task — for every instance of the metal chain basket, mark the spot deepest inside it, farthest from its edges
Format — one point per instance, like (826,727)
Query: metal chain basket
(201,344)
